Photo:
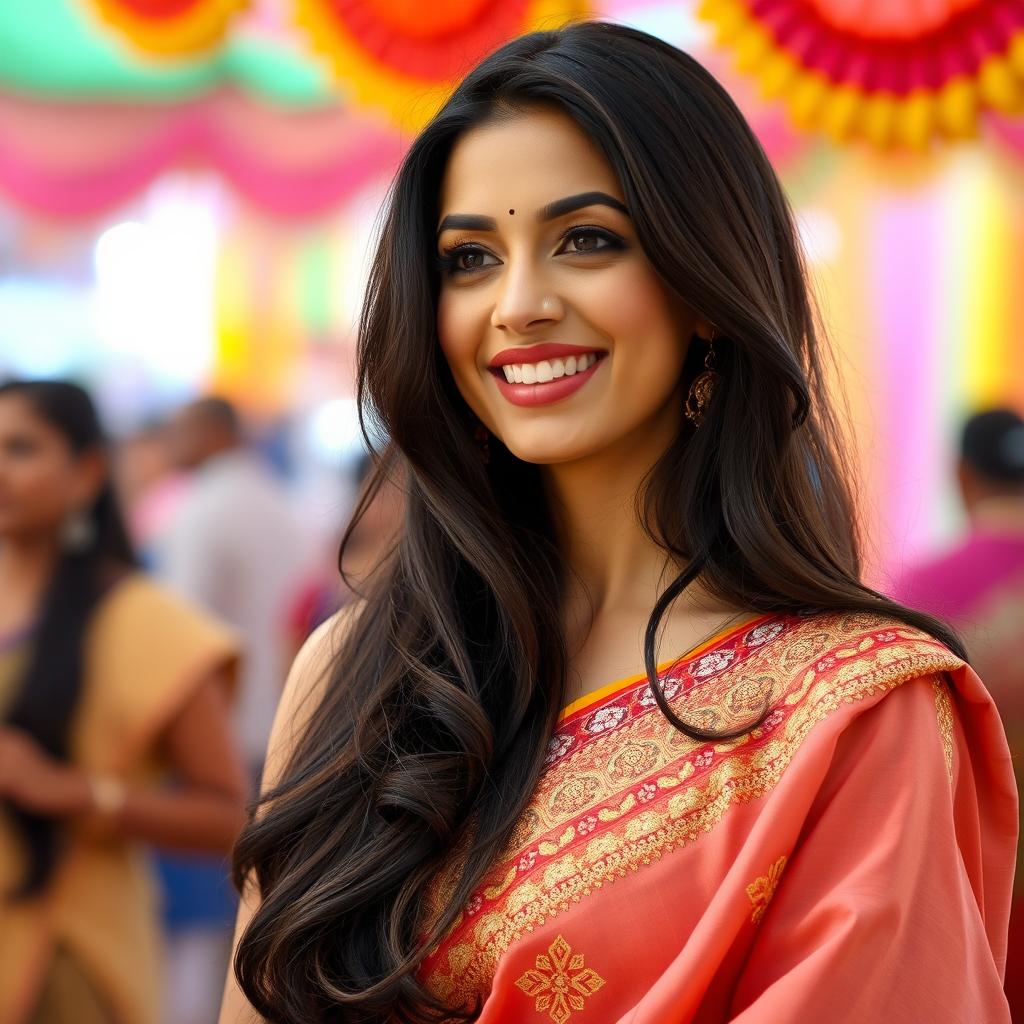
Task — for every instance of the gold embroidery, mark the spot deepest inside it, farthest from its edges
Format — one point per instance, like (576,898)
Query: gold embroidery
(649,820)
(761,890)
(944,714)
(560,983)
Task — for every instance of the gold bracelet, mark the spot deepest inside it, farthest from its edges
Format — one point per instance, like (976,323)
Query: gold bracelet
(108,795)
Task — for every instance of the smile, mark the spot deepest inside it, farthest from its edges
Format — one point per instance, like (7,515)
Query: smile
(561,373)
(547,369)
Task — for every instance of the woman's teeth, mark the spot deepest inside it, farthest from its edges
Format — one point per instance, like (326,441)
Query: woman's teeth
(547,369)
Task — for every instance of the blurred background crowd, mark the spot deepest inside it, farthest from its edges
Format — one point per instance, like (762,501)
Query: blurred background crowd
(188,189)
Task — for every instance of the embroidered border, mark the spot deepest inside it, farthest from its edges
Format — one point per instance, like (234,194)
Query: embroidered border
(944,716)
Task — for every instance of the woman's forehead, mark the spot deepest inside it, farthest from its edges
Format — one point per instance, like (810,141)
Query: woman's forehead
(523,162)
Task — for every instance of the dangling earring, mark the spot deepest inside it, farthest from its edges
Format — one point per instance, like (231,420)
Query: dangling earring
(77,534)
(703,387)
(482,436)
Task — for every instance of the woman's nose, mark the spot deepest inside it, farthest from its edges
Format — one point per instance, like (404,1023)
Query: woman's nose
(525,301)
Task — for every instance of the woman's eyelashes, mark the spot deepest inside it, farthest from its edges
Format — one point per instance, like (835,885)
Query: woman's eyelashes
(464,258)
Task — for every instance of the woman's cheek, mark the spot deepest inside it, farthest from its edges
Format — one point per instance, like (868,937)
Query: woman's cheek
(460,337)
(458,341)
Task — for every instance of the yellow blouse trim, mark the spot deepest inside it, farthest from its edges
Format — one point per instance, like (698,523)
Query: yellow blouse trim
(599,694)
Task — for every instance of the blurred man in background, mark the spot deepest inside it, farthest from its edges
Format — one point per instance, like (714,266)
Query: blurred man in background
(235,546)
(979,588)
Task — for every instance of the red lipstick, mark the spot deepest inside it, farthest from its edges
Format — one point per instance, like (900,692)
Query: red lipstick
(535,353)
(549,391)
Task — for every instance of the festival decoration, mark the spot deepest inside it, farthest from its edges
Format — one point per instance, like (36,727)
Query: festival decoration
(404,56)
(75,160)
(169,28)
(889,73)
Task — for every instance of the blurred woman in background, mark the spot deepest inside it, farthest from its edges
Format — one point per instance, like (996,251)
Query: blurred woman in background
(110,691)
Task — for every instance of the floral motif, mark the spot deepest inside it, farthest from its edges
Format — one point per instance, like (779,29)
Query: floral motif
(527,860)
(648,791)
(703,759)
(670,686)
(557,748)
(762,634)
(586,825)
(761,890)
(713,662)
(772,719)
(605,719)
(560,983)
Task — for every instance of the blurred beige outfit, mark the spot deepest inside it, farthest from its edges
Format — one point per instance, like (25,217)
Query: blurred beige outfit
(87,948)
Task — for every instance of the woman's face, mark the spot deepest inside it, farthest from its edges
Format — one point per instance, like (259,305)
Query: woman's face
(42,481)
(559,333)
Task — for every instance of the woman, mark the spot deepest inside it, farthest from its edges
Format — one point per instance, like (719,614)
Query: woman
(109,689)
(588,334)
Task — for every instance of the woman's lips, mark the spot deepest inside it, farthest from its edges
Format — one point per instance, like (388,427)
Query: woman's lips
(548,392)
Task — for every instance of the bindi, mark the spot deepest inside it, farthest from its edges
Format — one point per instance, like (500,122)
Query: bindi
(512,213)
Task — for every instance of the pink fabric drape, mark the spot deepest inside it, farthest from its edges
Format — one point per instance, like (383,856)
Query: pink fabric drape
(76,160)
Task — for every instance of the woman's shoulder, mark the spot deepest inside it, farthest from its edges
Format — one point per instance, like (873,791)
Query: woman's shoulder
(306,684)
(869,647)
(806,668)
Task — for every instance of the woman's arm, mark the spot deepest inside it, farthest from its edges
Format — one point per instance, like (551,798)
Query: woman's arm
(202,812)
(206,808)
(300,697)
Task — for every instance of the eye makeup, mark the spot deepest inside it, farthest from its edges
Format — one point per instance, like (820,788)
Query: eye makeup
(448,260)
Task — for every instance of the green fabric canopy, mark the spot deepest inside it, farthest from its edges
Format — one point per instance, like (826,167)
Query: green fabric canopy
(57,49)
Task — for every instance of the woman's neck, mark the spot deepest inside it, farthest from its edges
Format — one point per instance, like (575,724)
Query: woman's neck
(614,563)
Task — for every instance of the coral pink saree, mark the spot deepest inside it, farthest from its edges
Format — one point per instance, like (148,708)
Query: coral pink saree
(849,860)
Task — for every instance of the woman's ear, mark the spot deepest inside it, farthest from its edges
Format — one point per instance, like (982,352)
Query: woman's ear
(703,328)
(90,474)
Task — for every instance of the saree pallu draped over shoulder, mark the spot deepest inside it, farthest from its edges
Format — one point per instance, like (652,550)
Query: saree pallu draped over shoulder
(850,859)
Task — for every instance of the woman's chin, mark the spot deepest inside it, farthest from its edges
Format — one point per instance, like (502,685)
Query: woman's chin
(550,451)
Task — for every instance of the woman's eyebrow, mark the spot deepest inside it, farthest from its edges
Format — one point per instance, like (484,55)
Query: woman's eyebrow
(558,208)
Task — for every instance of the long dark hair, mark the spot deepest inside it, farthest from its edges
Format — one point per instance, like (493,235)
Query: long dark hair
(431,734)
(48,692)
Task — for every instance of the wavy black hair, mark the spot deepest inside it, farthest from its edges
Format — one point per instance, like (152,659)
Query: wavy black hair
(431,735)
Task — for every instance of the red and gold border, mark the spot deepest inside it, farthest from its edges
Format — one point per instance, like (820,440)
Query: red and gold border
(888,87)
(404,57)
(170,28)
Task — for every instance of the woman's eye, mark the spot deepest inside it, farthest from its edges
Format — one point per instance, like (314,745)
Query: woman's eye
(470,260)
(466,260)
(20,446)
(588,240)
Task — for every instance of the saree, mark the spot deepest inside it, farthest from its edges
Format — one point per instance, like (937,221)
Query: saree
(91,939)
(849,859)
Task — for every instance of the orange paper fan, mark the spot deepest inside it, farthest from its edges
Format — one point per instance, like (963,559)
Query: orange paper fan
(890,73)
(170,28)
(404,56)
